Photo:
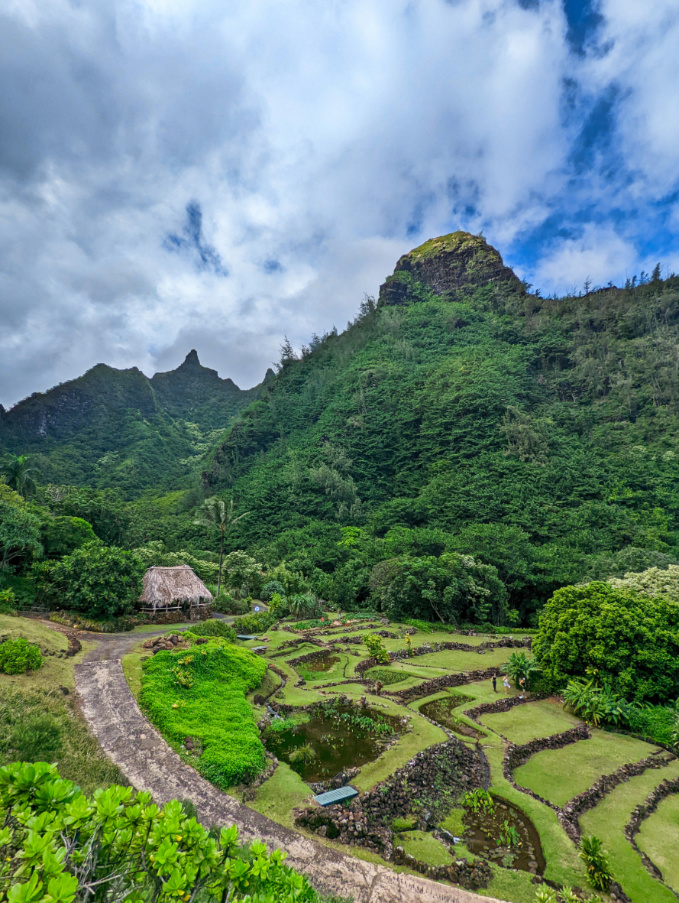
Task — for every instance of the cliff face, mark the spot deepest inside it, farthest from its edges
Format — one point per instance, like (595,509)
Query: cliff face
(447,266)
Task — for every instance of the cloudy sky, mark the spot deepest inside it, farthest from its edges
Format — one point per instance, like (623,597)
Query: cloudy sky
(194,173)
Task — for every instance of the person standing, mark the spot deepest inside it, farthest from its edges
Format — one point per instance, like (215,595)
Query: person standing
(505,684)
(494,683)
(522,686)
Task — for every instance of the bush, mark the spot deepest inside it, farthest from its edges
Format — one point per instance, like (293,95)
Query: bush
(172,858)
(653,723)
(279,606)
(215,627)
(376,649)
(519,665)
(95,625)
(596,863)
(201,694)
(627,641)
(305,605)
(19,656)
(255,623)
(7,600)
(96,581)
(227,605)
(272,587)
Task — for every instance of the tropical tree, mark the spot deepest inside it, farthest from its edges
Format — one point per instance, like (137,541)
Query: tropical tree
(18,474)
(596,704)
(218,513)
(19,529)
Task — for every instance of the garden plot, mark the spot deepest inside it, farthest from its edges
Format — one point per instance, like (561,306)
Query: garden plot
(461,660)
(558,775)
(607,821)
(524,723)
(659,839)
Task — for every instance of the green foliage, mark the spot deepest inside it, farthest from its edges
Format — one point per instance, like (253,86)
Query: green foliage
(19,475)
(95,580)
(596,863)
(201,694)
(155,554)
(19,530)
(60,846)
(399,825)
(596,705)
(519,665)
(651,582)
(213,627)
(279,606)
(376,648)
(451,588)
(255,623)
(272,588)
(305,606)
(18,656)
(654,723)
(627,641)
(478,800)
(386,676)
(7,600)
(62,535)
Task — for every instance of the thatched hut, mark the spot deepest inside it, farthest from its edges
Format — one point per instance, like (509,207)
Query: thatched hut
(173,588)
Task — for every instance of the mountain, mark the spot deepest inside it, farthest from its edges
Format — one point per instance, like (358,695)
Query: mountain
(120,429)
(461,412)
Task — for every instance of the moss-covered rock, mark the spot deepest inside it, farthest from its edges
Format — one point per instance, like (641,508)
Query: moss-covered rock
(445,266)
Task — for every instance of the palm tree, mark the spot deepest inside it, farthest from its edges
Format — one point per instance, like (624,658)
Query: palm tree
(18,475)
(215,512)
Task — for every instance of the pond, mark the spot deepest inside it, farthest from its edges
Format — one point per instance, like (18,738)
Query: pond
(488,834)
(321,662)
(333,739)
(441,711)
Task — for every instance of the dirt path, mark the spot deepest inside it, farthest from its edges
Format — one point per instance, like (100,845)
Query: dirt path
(149,764)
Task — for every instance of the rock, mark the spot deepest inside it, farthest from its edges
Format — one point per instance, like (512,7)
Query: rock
(322,830)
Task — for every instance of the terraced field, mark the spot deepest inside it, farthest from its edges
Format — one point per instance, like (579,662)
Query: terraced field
(333,664)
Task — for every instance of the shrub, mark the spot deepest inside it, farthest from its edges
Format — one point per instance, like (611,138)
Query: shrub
(97,581)
(403,824)
(7,600)
(255,623)
(654,723)
(596,863)
(598,705)
(202,695)
(519,665)
(305,605)
(214,627)
(279,606)
(172,857)
(271,588)
(376,649)
(19,656)
(627,641)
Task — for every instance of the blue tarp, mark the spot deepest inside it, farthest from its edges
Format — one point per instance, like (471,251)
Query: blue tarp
(336,796)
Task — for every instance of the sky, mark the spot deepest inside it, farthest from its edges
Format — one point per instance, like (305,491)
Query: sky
(179,174)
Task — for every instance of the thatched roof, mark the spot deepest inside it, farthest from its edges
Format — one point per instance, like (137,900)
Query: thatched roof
(172,586)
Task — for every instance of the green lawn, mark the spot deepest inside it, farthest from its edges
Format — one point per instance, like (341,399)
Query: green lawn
(423,846)
(455,660)
(607,821)
(55,671)
(659,839)
(560,774)
(282,793)
(535,719)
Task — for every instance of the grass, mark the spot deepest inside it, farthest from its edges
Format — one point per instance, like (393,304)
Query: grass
(607,821)
(38,725)
(55,671)
(456,660)
(526,722)
(424,846)
(200,694)
(560,774)
(282,793)
(659,839)
(132,665)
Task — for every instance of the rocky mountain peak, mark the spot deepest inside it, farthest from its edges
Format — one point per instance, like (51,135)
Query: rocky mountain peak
(447,265)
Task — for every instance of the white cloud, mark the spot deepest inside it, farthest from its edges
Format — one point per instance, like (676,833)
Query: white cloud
(329,137)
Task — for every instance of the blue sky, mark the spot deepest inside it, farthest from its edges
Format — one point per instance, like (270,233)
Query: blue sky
(180,174)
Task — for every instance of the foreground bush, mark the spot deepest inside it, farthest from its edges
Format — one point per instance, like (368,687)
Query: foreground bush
(19,656)
(59,846)
(200,693)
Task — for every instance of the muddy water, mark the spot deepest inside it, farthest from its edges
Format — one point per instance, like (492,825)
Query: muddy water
(484,830)
(336,742)
(441,711)
(321,662)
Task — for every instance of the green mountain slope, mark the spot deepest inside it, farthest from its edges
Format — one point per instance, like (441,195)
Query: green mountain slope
(461,412)
(118,429)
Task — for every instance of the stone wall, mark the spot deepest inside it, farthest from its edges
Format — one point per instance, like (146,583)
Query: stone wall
(430,687)
(642,812)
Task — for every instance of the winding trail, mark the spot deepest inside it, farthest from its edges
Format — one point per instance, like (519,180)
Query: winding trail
(148,763)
